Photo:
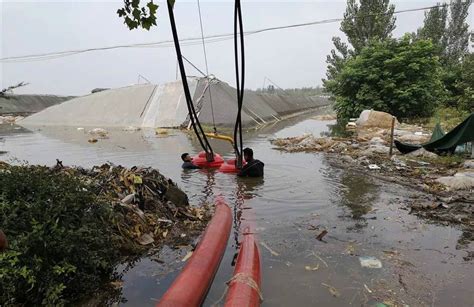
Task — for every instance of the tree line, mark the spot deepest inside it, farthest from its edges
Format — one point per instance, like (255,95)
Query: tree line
(409,76)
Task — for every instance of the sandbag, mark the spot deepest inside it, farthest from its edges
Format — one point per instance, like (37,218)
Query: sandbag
(371,118)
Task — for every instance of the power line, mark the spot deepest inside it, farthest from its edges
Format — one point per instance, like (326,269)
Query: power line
(190,41)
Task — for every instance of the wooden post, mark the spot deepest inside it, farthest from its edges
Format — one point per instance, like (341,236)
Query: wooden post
(391,136)
(3,241)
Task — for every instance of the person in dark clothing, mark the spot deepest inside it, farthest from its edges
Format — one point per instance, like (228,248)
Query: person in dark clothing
(188,162)
(253,168)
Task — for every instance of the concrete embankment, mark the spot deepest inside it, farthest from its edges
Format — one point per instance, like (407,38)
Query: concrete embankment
(164,105)
(28,104)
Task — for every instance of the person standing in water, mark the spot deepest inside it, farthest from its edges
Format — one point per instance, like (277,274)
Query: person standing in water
(253,168)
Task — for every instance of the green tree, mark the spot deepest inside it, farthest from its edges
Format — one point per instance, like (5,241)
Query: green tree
(136,16)
(465,84)
(448,30)
(401,77)
(364,21)
(457,32)
(371,20)
(434,26)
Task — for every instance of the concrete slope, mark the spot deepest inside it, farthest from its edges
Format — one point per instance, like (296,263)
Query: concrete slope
(224,103)
(28,104)
(150,105)
(257,108)
(110,108)
(168,107)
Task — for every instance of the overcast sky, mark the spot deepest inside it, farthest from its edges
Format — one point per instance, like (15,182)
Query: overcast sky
(291,57)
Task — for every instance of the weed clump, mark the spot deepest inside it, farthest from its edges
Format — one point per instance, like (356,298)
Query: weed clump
(68,228)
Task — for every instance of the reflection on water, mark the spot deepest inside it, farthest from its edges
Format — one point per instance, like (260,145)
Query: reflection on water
(300,195)
(337,129)
(357,195)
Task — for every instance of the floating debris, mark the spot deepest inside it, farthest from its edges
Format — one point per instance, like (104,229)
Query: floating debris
(370,262)
(373,167)
(350,249)
(131,129)
(321,235)
(269,249)
(367,288)
(188,255)
(310,268)
(321,259)
(334,292)
(100,132)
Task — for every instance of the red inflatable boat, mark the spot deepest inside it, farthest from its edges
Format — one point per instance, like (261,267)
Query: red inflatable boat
(191,285)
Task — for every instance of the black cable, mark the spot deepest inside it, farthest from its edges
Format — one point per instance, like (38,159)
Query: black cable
(237,85)
(239,80)
(192,112)
(242,84)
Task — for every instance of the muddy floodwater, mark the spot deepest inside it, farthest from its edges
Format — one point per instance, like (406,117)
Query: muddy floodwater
(422,263)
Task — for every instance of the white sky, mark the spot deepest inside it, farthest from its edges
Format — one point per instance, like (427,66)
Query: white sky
(291,58)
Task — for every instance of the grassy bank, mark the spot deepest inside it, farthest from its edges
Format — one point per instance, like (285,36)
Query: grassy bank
(448,117)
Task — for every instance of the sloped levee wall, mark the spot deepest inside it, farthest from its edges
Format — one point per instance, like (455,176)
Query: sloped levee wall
(150,105)
(28,104)
(110,108)
(167,107)
(257,108)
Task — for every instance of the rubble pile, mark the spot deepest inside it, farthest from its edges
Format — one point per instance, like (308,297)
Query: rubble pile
(152,205)
(148,207)
(372,148)
(308,142)
(448,180)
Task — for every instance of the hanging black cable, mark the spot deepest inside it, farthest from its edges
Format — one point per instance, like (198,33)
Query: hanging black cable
(192,112)
(240,81)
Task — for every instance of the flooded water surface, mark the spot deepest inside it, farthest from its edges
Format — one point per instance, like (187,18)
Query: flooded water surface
(422,263)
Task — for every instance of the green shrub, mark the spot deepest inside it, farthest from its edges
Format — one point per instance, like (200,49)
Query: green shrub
(402,77)
(61,241)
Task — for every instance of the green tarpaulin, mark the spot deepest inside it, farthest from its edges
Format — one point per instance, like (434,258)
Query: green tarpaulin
(442,143)
(437,133)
